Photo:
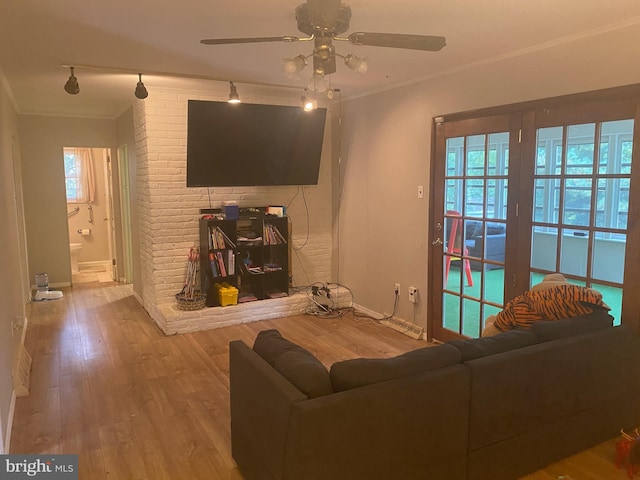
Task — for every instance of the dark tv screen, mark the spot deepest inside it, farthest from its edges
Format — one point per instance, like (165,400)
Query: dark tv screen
(252,145)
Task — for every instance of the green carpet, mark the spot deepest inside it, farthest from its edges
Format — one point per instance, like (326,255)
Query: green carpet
(493,288)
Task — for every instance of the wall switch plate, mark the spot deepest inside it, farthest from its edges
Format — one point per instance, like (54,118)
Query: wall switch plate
(413,294)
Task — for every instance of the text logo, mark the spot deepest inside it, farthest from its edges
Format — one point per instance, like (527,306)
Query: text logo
(39,467)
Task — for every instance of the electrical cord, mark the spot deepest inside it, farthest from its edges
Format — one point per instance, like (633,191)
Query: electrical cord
(331,308)
(330,292)
(306,209)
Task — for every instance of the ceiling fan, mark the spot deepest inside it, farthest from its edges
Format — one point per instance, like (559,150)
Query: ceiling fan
(323,21)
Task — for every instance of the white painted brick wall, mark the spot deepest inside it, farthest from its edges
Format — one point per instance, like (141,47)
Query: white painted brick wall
(169,212)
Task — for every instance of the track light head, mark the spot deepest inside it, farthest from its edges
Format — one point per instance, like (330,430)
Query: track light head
(72,87)
(233,94)
(308,104)
(141,90)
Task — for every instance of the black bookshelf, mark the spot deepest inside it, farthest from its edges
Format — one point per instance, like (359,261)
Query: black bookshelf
(250,253)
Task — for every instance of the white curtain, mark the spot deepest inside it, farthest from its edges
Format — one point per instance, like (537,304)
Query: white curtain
(84,164)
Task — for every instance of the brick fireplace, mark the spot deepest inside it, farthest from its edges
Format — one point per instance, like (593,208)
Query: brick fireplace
(168,214)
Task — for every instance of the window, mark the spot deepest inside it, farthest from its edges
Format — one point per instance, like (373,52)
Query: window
(485,183)
(78,173)
(577,181)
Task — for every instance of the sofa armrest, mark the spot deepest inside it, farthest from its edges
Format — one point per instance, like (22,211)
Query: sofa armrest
(261,402)
(411,427)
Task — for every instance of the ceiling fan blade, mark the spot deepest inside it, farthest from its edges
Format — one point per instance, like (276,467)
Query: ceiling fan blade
(398,40)
(227,41)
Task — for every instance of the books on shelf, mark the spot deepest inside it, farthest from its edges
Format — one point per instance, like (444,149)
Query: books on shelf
(222,263)
(214,264)
(272,235)
(218,240)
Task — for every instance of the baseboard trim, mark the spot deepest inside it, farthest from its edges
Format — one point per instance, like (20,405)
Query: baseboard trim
(95,263)
(375,315)
(6,441)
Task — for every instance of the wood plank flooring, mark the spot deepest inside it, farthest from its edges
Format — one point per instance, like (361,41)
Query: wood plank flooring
(107,385)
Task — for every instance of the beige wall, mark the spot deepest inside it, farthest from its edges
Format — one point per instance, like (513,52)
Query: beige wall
(386,140)
(13,290)
(42,142)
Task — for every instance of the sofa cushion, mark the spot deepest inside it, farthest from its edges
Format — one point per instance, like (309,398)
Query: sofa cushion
(496,228)
(359,372)
(473,229)
(503,342)
(546,331)
(298,365)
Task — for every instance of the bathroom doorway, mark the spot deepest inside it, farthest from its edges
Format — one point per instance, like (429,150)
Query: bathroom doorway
(89,214)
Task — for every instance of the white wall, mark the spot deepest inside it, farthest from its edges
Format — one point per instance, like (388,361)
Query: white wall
(386,141)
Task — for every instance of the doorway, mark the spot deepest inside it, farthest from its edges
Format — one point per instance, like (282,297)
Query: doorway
(89,214)
(555,176)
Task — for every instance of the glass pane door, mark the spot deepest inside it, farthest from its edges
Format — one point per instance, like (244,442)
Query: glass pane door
(473,256)
(581,205)
(469,256)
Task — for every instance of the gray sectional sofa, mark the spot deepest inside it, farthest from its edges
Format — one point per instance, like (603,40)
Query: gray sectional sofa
(490,408)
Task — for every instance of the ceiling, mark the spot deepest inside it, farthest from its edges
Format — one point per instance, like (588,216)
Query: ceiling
(156,36)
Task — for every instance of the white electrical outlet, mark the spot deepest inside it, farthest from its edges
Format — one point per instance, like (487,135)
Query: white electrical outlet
(397,289)
(413,294)
(420,191)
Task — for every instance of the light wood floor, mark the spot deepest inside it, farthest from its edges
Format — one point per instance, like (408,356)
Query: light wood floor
(107,385)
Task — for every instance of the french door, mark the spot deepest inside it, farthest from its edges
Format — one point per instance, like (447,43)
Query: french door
(471,212)
(549,186)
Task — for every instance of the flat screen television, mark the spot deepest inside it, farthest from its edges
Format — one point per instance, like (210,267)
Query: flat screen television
(252,144)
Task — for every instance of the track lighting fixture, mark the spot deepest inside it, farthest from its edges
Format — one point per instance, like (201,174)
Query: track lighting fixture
(233,94)
(318,85)
(72,87)
(308,103)
(141,90)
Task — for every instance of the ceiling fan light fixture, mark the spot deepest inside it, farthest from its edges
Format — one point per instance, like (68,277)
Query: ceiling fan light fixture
(233,94)
(72,87)
(295,64)
(356,63)
(141,90)
(319,83)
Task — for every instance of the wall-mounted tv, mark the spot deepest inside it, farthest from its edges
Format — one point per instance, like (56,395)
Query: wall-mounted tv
(252,144)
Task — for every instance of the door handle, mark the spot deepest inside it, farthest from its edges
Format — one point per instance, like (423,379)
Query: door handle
(437,241)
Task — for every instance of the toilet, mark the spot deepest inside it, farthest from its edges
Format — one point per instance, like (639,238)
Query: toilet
(75,251)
